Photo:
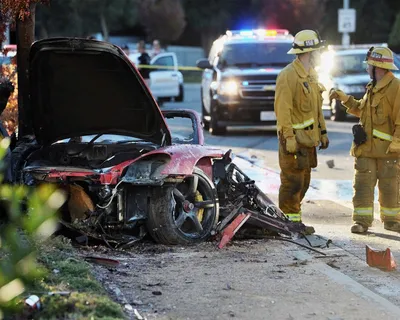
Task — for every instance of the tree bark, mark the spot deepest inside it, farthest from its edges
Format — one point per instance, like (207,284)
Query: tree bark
(25,38)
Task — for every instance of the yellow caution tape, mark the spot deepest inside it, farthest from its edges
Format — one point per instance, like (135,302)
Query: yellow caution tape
(146,66)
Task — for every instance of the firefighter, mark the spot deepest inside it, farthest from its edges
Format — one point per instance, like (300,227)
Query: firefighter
(376,145)
(300,122)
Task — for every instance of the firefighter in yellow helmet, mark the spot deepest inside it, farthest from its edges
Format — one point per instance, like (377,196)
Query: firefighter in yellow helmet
(376,145)
(300,122)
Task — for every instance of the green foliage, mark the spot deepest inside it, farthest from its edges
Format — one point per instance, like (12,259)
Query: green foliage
(19,231)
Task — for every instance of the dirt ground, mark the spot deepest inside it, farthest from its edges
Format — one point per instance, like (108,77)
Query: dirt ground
(258,279)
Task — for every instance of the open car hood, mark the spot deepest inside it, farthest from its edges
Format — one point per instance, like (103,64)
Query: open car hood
(82,87)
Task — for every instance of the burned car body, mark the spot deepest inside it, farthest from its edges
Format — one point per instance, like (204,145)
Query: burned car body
(99,134)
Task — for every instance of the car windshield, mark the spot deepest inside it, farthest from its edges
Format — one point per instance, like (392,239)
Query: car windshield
(255,54)
(104,139)
(352,64)
(348,64)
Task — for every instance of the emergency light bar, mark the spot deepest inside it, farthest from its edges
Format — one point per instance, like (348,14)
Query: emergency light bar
(258,33)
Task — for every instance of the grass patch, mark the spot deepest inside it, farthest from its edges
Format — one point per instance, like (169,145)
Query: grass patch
(67,272)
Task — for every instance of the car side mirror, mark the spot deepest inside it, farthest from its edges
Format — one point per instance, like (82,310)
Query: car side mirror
(203,64)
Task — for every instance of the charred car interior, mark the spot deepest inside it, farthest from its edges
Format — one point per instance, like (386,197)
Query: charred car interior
(100,136)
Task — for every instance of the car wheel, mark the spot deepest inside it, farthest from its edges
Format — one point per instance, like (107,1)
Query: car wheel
(185,213)
(204,113)
(215,128)
(181,94)
(338,112)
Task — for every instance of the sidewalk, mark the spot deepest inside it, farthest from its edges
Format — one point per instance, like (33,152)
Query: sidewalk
(247,280)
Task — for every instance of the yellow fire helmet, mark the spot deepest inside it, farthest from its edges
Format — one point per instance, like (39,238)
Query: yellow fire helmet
(381,57)
(306,41)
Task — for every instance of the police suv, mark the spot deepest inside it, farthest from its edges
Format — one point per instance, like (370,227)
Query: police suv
(239,78)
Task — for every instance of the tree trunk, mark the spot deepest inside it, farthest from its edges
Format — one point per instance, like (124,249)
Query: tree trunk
(25,38)
(104,27)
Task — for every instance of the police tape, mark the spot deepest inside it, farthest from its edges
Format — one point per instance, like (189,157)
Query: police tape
(146,66)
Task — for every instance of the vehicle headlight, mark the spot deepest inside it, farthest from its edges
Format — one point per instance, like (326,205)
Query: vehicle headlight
(352,88)
(229,88)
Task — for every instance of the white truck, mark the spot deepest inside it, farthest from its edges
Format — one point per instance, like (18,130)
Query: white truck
(166,81)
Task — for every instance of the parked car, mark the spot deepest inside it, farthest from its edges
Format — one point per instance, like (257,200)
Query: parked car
(100,135)
(343,68)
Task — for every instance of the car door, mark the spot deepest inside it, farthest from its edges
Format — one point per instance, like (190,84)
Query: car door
(164,80)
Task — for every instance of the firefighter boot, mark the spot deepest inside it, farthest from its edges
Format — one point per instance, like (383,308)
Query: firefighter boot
(392,226)
(359,228)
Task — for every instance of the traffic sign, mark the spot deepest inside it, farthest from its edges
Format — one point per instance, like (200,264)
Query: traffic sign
(347,20)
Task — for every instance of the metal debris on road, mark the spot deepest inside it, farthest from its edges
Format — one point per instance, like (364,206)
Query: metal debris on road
(137,315)
(103,261)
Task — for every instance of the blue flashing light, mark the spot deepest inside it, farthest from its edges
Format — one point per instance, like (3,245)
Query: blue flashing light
(247,33)
(245,83)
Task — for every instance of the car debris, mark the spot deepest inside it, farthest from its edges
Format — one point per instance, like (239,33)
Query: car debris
(103,261)
(241,201)
(33,302)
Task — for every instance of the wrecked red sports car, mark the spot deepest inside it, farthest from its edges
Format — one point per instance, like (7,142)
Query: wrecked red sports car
(99,134)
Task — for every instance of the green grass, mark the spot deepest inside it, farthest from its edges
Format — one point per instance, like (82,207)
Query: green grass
(88,299)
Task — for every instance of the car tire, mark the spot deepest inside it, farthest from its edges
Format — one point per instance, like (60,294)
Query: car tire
(181,95)
(338,112)
(168,223)
(204,113)
(18,158)
(215,128)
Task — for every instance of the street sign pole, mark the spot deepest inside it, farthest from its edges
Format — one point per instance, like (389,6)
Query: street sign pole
(346,22)
(346,35)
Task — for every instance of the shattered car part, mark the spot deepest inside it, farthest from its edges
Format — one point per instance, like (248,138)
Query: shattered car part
(239,194)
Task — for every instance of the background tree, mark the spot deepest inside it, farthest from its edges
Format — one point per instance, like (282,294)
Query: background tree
(212,18)
(293,15)
(81,18)
(162,19)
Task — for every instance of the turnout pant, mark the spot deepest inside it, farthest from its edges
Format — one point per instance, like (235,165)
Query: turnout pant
(295,179)
(369,172)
